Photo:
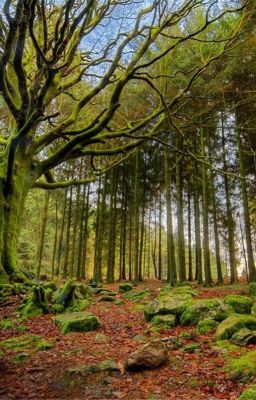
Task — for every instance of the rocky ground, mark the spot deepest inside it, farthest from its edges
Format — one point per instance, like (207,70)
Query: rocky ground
(47,362)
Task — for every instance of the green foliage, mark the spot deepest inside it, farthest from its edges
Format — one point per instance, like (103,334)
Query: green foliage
(248,394)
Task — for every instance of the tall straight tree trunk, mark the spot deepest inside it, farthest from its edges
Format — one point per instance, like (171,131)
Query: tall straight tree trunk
(230,219)
(206,245)
(171,259)
(247,221)
(130,245)
(190,267)
(160,239)
(215,226)
(124,231)
(142,229)
(112,229)
(154,243)
(80,236)
(61,233)
(179,189)
(85,234)
(42,233)
(136,219)
(74,235)
(199,276)
(96,244)
(55,236)
(67,242)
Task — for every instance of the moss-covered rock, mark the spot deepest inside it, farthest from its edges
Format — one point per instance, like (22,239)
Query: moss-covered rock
(50,285)
(167,305)
(20,357)
(107,298)
(6,324)
(136,295)
(206,308)
(244,337)
(64,296)
(240,304)
(206,326)
(79,305)
(233,324)
(125,287)
(27,342)
(77,322)
(72,297)
(242,369)
(248,394)
(7,289)
(252,289)
(36,303)
(167,321)
(108,293)
(168,290)
(192,348)
(78,374)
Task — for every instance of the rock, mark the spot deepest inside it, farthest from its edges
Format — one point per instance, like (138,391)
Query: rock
(106,298)
(140,338)
(118,302)
(168,290)
(233,324)
(206,325)
(72,297)
(208,308)
(151,355)
(74,374)
(108,293)
(192,348)
(248,394)
(77,322)
(240,304)
(244,337)
(167,305)
(242,369)
(136,295)
(167,321)
(252,289)
(27,342)
(125,287)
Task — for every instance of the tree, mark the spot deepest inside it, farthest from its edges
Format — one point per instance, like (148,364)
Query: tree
(53,75)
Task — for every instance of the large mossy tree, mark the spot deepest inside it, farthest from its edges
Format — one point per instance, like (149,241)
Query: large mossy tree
(65,70)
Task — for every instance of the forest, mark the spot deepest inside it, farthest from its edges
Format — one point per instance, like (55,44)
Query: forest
(127,199)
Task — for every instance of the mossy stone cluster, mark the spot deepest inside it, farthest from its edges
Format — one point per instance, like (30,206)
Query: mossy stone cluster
(240,304)
(199,310)
(125,287)
(233,324)
(136,295)
(77,322)
(27,342)
(167,321)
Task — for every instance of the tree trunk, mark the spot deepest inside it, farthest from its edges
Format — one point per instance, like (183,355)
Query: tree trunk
(179,189)
(42,233)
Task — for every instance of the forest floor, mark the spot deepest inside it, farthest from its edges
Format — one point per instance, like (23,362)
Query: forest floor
(187,376)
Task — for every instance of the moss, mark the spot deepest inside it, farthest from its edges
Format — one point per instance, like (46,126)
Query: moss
(187,335)
(164,320)
(6,290)
(192,348)
(244,337)
(248,394)
(74,375)
(118,302)
(64,295)
(107,298)
(50,285)
(108,293)
(79,305)
(206,326)
(136,295)
(252,289)
(77,322)
(201,309)
(242,369)
(240,304)
(19,358)
(125,287)
(6,324)
(35,304)
(171,305)
(226,346)
(233,324)
(27,342)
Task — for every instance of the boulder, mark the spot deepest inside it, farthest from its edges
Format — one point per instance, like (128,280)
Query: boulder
(233,324)
(167,321)
(206,326)
(167,305)
(77,322)
(240,304)
(248,394)
(136,295)
(244,337)
(206,308)
(110,299)
(151,355)
(125,287)
(242,369)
